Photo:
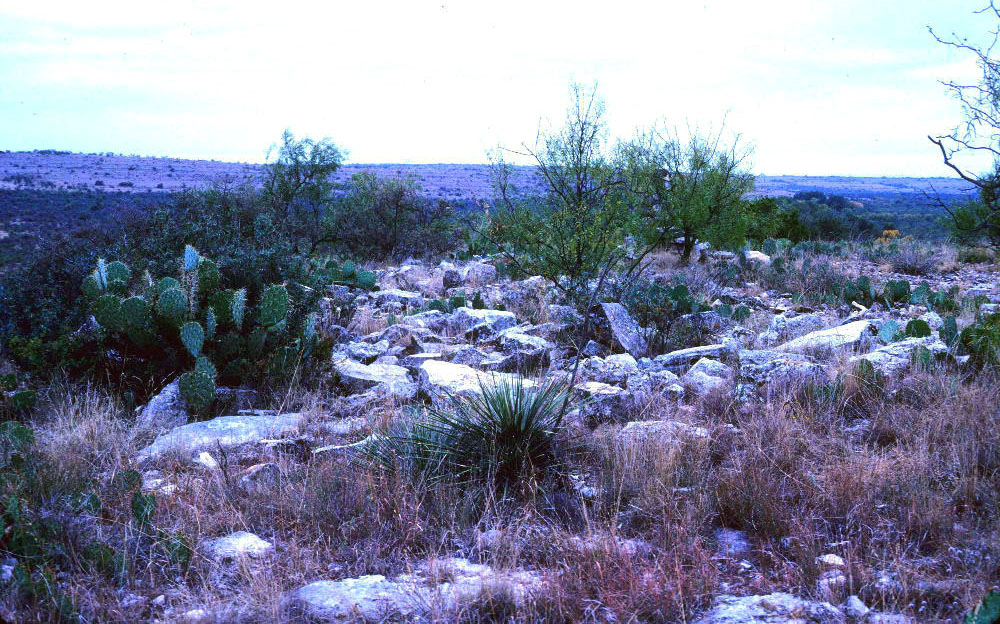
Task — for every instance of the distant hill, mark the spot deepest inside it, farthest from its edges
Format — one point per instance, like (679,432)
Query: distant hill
(47,169)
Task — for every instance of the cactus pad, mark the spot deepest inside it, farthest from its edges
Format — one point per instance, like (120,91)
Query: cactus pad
(208,276)
(897,291)
(137,318)
(172,306)
(166,284)
(90,287)
(108,312)
(210,324)
(273,306)
(366,280)
(118,276)
(348,270)
(197,390)
(190,258)
(193,337)
(204,365)
(238,307)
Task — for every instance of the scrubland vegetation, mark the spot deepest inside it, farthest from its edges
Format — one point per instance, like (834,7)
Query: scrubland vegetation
(636,396)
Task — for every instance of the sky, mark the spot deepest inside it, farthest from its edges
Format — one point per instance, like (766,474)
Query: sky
(815,87)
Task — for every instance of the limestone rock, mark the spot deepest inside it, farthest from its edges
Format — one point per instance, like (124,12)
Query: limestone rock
(850,335)
(438,379)
(465,319)
(479,274)
(603,402)
(770,372)
(776,608)
(261,476)
(403,298)
(895,358)
(389,379)
(706,375)
(787,326)
(758,257)
(659,432)
(625,330)
(687,357)
(241,544)
(444,586)
(164,411)
(225,431)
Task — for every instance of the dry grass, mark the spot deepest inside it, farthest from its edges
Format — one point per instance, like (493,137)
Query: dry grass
(902,484)
(367,321)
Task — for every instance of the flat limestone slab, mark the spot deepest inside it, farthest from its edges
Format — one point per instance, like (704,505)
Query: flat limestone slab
(833,338)
(439,378)
(227,431)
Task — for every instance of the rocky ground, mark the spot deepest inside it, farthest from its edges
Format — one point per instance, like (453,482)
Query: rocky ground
(712,485)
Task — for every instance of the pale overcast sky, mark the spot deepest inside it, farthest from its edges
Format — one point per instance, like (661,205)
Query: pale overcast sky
(820,87)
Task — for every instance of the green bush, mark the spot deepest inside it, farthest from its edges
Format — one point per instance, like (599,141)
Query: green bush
(385,218)
(504,437)
(975,255)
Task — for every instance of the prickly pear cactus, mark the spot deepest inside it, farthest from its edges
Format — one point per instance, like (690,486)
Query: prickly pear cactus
(118,276)
(208,276)
(108,312)
(366,280)
(210,324)
(273,306)
(190,258)
(172,306)
(239,307)
(166,284)
(348,270)
(91,290)
(204,365)
(897,291)
(197,390)
(918,328)
(221,303)
(193,337)
(138,318)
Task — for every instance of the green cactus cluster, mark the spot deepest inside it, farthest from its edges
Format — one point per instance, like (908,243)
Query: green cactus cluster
(194,323)
(897,293)
(346,274)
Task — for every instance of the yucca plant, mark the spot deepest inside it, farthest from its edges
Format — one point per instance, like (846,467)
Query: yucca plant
(500,437)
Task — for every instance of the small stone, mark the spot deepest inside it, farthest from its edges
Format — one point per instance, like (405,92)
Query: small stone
(831,560)
(831,585)
(236,545)
(266,475)
(731,543)
(855,608)
(205,459)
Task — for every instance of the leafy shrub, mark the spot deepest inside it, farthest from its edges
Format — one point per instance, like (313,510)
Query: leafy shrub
(504,436)
(387,218)
(975,255)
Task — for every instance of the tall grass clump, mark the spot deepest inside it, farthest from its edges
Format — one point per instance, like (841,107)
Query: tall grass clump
(504,436)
